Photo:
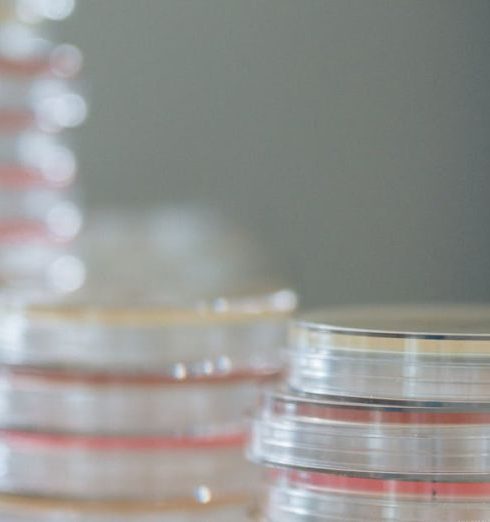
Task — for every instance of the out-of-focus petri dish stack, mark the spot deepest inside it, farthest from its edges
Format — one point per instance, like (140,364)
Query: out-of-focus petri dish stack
(384,416)
(39,105)
(126,400)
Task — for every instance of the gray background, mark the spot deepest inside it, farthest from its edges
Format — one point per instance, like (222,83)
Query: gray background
(351,136)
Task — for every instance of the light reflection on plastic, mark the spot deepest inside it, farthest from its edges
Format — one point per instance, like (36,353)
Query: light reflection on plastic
(56,162)
(284,300)
(64,111)
(37,10)
(221,305)
(179,371)
(207,367)
(64,220)
(19,42)
(58,165)
(66,274)
(66,60)
(203,494)
(223,363)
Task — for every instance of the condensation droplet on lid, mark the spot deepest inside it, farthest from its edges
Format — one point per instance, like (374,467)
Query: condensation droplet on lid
(179,371)
(207,367)
(203,494)
(223,363)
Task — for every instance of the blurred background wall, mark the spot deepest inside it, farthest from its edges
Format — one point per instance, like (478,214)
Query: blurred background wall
(351,136)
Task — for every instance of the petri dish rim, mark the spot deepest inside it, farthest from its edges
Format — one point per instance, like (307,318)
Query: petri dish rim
(119,507)
(270,304)
(419,329)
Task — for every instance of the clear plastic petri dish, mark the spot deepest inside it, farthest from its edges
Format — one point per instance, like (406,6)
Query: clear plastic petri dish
(35,160)
(57,222)
(26,53)
(211,336)
(39,204)
(129,468)
(36,11)
(22,93)
(202,507)
(317,497)
(22,176)
(418,353)
(421,443)
(128,404)
(49,111)
(34,267)
(22,232)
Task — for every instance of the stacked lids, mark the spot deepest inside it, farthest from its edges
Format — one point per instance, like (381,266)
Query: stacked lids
(126,402)
(39,105)
(136,405)
(384,415)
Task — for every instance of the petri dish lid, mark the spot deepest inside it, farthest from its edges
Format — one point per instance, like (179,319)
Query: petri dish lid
(177,293)
(374,440)
(156,311)
(168,266)
(127,404)
(317,497)
(368,324)
(394,488)
(177,254)
(439,353)
(211,336)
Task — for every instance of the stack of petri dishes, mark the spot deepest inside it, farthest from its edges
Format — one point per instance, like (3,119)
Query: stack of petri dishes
(118,404)
(384,416)
(39,103)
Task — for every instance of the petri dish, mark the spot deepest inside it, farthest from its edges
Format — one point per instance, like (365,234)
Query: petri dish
(211,336)
(25,52)
(35,160)
(418,353)
(34,266)
(50,113)
(128,404)
(372,439)
(22,93)
(295,496)
(37,204)
(14,232)
(123,468)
